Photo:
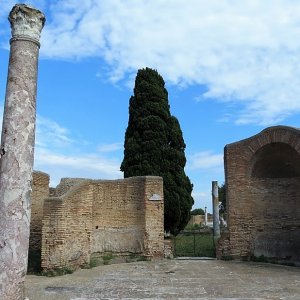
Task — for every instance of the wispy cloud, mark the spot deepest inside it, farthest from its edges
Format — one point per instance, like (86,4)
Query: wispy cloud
(50,133)
(205,160)
(84,165)
(55,155)
(110,147)
(245,52)
(202,199)
(53,142)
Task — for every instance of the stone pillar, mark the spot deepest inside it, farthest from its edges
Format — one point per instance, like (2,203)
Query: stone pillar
(215,200)
(205,216)
(153,216)
(17,149)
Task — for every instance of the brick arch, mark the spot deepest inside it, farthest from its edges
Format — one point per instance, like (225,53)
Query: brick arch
(262,176)
(275,160)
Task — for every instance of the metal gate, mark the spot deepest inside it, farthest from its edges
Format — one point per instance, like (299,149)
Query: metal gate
(194,244)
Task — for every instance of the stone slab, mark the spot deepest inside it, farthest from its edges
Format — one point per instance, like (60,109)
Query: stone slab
(171,279)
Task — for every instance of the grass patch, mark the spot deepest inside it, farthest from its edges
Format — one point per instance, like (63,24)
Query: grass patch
(107,258)
(135,257)
(194,245)
(99,259)
(95,262)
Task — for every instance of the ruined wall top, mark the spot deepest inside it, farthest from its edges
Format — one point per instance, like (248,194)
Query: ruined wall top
(276,132)
(26,22)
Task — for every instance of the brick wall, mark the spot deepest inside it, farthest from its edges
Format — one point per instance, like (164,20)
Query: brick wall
(40,191)
(97,216)
(153,217)
(263,195)
(67,226)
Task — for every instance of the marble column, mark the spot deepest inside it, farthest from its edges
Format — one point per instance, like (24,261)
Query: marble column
(17,149)
(215,202)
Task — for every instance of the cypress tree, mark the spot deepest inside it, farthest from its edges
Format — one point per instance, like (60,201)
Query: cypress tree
(154,145)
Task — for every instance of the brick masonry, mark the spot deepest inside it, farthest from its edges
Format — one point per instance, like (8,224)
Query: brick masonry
(40,191)
(262,176)
(83,217)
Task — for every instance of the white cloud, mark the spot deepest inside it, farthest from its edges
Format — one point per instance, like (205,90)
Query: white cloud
(245,52)
(202,199)
(205,160)
(51,134)
(203,168)
(52,143)
(59,155)
(83,165)
(110,147)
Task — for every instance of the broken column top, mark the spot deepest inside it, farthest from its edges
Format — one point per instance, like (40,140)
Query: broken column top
(26,23)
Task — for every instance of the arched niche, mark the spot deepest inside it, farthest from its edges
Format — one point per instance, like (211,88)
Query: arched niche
(263,194)
(275,188)
(276,160)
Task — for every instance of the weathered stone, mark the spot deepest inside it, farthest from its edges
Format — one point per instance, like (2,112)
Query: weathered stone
(171,279)
(17,147)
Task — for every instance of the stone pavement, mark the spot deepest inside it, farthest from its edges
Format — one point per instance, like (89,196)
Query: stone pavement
(171,279)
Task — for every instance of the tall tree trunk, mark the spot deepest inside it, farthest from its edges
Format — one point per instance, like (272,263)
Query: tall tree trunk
(17,149)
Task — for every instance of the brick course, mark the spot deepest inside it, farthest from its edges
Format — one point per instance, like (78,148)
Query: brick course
(40,191)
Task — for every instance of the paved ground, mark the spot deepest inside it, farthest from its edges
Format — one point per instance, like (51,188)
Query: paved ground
(172,279)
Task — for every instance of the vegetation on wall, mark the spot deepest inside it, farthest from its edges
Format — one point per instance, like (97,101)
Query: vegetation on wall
(154,145)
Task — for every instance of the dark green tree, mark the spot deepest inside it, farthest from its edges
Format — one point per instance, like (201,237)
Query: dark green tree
(154,145)
(197,211)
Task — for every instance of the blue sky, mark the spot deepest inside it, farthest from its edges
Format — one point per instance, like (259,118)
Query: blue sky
(231,67)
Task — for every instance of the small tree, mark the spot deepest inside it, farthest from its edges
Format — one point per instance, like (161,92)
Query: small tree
(154,145)
(197,211)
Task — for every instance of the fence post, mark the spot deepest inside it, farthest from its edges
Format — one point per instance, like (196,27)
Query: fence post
(194,243)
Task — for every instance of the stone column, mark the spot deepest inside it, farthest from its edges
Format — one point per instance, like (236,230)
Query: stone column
(215,200)
(205,216)
(17,149)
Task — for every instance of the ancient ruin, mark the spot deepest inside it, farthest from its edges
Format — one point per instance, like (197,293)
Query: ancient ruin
(263,196)
(83,218)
